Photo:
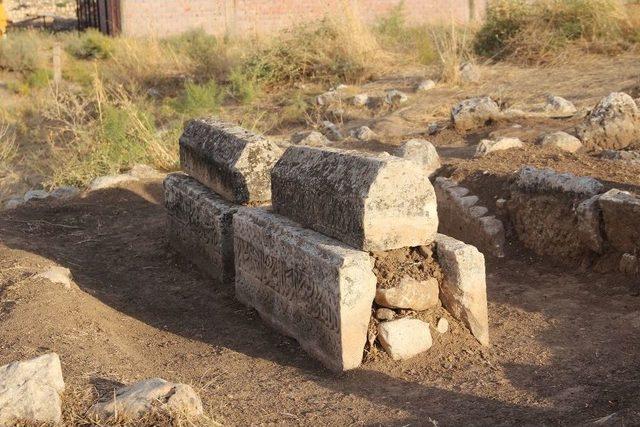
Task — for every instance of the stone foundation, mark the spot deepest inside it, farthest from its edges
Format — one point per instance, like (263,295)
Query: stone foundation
(200,226)
(461,216)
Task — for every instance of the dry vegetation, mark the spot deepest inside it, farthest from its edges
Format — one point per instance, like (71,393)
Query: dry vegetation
(124,101)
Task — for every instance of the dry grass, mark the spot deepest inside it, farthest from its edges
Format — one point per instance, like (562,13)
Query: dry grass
(453,46)
(546,31)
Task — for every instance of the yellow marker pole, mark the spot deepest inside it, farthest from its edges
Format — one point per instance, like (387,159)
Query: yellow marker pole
(3,20)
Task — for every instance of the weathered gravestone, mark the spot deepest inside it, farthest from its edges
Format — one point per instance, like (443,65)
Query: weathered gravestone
(306,285)
(372,203)
(200,225)
(230,160)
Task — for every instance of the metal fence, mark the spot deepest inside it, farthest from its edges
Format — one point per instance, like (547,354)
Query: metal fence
(104,15)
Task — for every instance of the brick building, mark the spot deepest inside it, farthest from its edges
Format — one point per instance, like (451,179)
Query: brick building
(250,17)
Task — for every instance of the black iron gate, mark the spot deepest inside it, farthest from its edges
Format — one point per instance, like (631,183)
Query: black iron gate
(103,15)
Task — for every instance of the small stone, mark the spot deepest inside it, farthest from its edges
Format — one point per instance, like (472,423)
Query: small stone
(30,391)
(143,397)
(65,193)
(145,172)
(557,107)
(326,97)
(331,131)
(633,156)
(385,314)
(110,181)
(501,204)
(36,195)
(395,97)
(310,139)
(562,141)
(443,325)
(342,87)
(404,338)
(487,146)
(629,264)
(56,274)
(425,85)
(360,100)
(433,128)
(470,73)
(410,294)
(422,153)
(363,133)
(14,202)
(474,112)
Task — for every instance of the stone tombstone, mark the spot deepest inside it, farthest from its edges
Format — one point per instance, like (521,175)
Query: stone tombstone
(372,203)
(230,160)
(200,226)
(306,285)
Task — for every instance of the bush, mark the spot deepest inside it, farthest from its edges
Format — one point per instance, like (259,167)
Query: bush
(91,44)
(21,52)
(198,99)
(39,78)
(243,88)
(537,31)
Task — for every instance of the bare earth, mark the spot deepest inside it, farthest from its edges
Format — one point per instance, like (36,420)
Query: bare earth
(564,343)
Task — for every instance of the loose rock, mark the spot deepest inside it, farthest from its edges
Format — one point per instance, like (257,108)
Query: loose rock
(36,195)
(110,181)
(410,294)
(363,133)
(141,398)
(422,153)
(14,202)
(443,326)
(632,156)
(425,85)
(331,131)
(60,275)
(404,338)
(470,73)
(562,141)
(30,390)
(65,193)
(310,139)
(474,112)
(487,146)
(385,314)
(360,100)
(395,97)
(558,107)
(614,123)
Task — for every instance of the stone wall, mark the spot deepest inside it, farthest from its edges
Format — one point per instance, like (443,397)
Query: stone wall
(251,17)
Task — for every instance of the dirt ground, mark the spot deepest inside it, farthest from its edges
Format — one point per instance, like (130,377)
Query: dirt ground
(564,344)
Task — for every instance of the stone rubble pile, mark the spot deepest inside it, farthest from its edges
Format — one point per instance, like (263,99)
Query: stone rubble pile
(303,263)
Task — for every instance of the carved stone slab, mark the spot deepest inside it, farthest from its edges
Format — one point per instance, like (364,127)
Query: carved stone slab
(200,226)
(306,285)
(230,160)
(372,203)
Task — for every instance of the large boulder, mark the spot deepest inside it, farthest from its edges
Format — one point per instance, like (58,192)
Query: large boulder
(404,338)
(474,112)
(139,399)
(372,203)
(614,123)
(30,391)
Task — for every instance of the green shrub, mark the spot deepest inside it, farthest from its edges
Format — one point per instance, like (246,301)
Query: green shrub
(243,88)
(39,78)
(92,44)
(21,52)
(199,99)
(207,54)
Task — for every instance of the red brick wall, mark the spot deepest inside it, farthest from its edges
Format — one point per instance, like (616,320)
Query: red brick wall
(250,17)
